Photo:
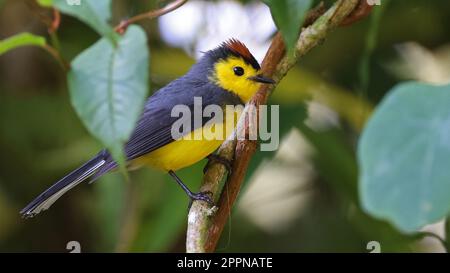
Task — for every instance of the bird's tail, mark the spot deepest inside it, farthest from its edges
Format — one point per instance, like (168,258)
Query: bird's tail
(48,197)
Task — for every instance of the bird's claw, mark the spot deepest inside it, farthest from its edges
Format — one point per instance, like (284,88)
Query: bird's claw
(204,196)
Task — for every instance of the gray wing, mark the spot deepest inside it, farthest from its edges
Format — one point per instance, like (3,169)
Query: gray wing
(153,129)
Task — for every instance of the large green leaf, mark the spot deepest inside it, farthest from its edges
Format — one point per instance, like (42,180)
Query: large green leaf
(108,86)
(95,13)
(288,16)
(21,39)
(404,157)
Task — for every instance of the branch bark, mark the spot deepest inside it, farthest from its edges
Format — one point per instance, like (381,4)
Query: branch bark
(205,225)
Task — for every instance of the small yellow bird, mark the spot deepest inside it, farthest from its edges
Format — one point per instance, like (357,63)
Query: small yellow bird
(226,75)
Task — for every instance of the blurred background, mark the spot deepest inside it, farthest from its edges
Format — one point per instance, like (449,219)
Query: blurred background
(301,198)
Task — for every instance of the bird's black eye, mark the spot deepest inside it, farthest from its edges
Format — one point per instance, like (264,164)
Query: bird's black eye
(238,71)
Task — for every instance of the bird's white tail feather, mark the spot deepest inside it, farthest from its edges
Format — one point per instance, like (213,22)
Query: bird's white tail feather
(43,202)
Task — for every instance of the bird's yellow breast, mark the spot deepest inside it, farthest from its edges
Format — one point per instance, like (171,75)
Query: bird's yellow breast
(179,154)
(190,149)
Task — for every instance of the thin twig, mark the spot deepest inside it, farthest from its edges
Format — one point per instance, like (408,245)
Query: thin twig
(52,51)
(437,237)
(204,230)
(52,24)
(55,22)
(120,28)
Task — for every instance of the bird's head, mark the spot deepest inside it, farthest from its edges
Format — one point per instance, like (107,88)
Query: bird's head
(235,69)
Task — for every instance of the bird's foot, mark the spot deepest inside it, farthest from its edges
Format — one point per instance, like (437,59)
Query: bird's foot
(204,196)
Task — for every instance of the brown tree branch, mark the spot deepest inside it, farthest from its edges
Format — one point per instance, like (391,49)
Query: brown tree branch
(363,9)
(205,225)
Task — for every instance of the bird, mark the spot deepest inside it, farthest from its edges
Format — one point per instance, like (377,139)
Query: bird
(226,75)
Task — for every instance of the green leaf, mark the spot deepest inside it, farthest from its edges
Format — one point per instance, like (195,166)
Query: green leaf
(95,13)
(404,157)
(22,39)
(288,16)
(108,86)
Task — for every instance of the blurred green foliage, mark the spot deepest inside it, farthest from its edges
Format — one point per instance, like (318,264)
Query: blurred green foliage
(42,139)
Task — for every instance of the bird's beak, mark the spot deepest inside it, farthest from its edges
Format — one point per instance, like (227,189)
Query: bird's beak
(260,78)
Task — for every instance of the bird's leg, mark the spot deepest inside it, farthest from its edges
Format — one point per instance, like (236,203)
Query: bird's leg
(201,196)
(215,158)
